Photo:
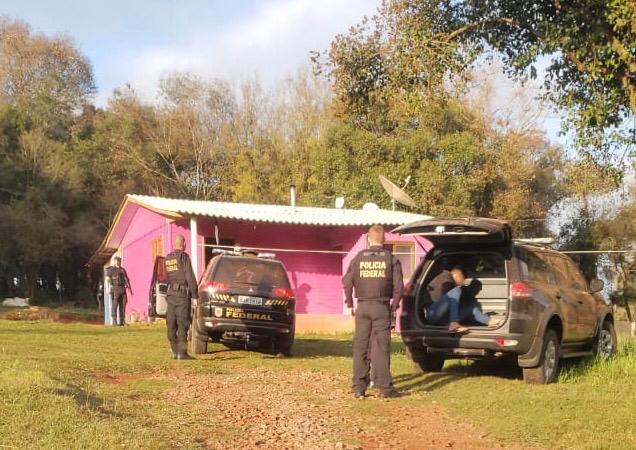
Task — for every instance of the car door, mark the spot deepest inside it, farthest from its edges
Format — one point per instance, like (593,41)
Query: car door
(158,288)
(587,303)
(541,277)
(567,295)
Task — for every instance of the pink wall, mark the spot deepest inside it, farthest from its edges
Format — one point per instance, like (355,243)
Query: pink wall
(137,257)
(315,277)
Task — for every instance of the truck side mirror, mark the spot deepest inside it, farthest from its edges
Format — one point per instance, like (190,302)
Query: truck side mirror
(596,285)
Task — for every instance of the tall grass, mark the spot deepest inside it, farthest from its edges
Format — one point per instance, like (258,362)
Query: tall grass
(598,371)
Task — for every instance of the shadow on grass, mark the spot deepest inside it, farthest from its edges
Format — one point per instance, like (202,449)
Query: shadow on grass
(428,382)
(423,382)
(317,348)
(84,399)
(505,367)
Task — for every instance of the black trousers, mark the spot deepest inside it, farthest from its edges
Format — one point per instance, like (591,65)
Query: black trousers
(118,304)
(178,323)
(373,323)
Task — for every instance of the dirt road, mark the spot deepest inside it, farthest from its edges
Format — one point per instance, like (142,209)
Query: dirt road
(313,410)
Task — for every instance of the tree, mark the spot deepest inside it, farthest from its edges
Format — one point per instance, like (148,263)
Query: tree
(46,77)
(591,46)
(47,224)
(453,174)
(395,68)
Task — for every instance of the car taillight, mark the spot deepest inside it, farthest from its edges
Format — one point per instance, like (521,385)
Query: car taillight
(520,289)
(286,293)
(216,287)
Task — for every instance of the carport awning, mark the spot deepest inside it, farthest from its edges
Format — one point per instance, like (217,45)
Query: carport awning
(283,214)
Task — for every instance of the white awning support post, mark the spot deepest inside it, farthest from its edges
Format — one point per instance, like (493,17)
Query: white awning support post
(194,248)
(107,298)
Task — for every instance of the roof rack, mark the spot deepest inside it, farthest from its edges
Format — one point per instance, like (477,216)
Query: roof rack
(238,251)
(541,242)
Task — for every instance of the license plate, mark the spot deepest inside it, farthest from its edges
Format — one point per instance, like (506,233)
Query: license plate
(247,300)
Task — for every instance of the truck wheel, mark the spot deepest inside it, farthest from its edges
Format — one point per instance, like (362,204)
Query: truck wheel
(424,361)
(198,340)
(605,345)
(548,368)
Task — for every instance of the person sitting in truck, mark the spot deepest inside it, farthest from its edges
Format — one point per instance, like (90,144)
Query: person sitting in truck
(445,292)
(451,302)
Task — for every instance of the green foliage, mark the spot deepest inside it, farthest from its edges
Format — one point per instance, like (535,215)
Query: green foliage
(396,63)
(591,46)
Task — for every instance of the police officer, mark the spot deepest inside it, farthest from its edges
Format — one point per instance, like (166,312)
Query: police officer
(182,287)
(119,282)
(376,277)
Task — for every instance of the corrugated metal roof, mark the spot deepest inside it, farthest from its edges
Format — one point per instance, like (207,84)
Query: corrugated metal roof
(301,215)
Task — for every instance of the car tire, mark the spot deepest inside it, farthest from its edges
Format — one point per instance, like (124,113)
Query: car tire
(606,342)
(284,345)
(548,369)
(424,361)
(198,340)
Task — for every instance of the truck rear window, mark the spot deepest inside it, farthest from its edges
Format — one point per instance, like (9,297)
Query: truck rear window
(265,275)
(475,265)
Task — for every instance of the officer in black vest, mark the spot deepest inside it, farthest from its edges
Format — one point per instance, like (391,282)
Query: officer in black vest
(376,277)
(182,286)
(119,282)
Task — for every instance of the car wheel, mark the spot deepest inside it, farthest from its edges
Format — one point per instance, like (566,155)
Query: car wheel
(284,345)
(548,369)
(605,345)
(198,340)
(424,361)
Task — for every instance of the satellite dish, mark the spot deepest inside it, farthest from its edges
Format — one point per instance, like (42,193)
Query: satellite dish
(370,207)
(340,202)
(397,194)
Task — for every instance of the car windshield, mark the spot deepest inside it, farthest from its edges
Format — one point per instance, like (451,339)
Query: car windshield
(265,275)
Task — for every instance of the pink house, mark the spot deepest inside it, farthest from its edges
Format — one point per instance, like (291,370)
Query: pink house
(315,244)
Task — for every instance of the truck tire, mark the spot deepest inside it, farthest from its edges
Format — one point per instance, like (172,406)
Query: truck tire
(198,340)
(605,343)
(548,368)
(424,361)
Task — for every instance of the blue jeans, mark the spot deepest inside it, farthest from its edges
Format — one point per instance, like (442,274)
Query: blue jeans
(446,309)
(473,314)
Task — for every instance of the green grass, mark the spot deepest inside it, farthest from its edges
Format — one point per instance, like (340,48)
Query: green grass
(87,386)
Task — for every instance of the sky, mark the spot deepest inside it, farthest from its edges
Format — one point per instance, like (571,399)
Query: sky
(140,41)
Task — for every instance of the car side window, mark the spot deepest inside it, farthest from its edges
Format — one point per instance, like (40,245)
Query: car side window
(536,268)
(559,264)
(577,281)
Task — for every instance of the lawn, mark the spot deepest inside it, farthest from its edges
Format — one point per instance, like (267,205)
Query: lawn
(88,386)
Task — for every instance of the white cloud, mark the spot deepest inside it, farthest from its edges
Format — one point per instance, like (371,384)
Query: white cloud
(269,42)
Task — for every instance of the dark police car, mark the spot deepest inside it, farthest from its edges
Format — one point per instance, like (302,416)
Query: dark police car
(546,310)
(244,299)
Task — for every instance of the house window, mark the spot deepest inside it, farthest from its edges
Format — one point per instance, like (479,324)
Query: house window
(157,247)
(405,252)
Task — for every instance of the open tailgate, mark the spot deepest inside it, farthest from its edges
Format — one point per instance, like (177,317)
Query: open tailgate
(460,231)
